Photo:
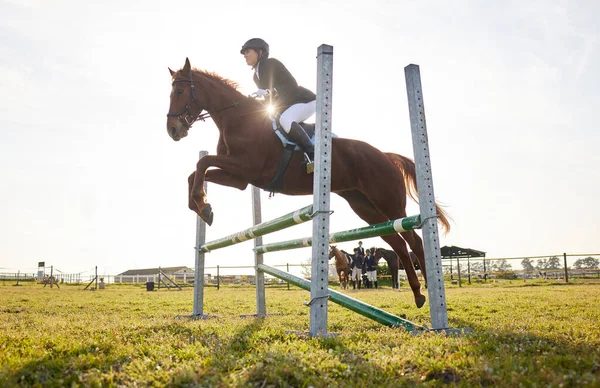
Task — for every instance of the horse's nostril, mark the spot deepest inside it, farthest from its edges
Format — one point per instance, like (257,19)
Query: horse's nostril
(172,131)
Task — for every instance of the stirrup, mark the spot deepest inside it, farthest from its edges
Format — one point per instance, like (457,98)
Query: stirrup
(310,164)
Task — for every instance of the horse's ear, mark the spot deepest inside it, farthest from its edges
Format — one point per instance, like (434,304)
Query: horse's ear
(187,67)
(172,72)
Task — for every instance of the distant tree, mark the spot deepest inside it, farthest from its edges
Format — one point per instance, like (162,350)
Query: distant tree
(477,266)
(501,265)
(541,264)
(553,263)
(588,262)
(527,264)
(306,268)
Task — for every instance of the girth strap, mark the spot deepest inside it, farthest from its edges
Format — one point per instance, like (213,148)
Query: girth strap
(276,185)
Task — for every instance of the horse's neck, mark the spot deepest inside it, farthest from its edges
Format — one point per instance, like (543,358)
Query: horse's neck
(341,258)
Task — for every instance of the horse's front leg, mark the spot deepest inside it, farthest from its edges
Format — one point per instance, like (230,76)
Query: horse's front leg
(191,204)
(231,175)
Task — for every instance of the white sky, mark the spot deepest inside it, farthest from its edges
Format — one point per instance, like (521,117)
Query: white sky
(90,177)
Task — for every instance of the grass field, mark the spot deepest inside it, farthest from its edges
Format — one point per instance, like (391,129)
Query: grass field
(525,335)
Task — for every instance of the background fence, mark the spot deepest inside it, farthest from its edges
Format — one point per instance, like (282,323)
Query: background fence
(464,269)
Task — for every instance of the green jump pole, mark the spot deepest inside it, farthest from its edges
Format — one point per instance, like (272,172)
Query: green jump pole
(291,219)
(383,229)
(355,305)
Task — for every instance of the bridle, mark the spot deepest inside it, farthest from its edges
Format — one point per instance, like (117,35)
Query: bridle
(187,117)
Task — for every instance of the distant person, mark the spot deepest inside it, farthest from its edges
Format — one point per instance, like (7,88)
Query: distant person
(294,103)
(371,268)
(356,266)
(360,248)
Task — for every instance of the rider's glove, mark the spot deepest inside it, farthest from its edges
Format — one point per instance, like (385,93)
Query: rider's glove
(261,93)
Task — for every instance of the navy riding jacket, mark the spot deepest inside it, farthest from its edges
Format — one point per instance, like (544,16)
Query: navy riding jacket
(273,75)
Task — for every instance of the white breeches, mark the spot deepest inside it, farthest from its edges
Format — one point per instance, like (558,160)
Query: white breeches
(297,113)
(372,275)
(356,273)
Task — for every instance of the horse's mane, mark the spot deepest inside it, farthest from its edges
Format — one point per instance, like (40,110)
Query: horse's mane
(232,84)
(211,76)
(217,80)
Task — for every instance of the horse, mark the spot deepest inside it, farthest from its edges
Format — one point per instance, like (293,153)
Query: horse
(342,265)
(248,152)
(394,264)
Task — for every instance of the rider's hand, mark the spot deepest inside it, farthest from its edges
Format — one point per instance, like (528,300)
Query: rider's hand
(261,93)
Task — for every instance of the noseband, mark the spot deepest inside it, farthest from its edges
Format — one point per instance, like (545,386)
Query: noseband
(185,115)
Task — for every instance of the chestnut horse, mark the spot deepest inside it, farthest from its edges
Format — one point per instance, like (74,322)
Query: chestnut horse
(342,265)
(248,152)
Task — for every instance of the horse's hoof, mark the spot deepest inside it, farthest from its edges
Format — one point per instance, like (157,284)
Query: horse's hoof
(207,215)
(420,300)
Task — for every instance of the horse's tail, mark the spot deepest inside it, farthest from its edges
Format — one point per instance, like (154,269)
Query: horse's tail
(407,166)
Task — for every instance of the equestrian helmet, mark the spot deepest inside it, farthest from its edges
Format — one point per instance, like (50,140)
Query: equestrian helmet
(257,44)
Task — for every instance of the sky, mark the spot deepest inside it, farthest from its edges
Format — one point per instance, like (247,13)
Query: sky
(90,177)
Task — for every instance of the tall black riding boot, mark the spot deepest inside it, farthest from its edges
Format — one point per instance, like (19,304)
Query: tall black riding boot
(359,284)
(353,285)
(375,283)
(299,136)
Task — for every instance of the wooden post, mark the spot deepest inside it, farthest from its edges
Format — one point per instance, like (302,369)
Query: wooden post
(566,269)
(469,268)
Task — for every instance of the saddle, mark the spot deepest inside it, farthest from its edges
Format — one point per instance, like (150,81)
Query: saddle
(276,184)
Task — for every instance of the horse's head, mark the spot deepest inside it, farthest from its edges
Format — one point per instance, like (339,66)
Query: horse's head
(332,250)
(186,105)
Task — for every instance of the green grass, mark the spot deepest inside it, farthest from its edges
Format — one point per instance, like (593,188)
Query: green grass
(124,336)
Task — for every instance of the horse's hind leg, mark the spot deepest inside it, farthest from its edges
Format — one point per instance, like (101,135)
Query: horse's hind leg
(416,245)
(399,246)
(363,207)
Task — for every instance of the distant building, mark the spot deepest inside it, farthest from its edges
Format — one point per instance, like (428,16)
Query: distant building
(180,274)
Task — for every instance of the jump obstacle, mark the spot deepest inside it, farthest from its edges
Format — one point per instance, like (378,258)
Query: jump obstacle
(319,214)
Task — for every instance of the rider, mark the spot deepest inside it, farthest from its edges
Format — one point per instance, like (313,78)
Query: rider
(356,267)
(360,248)
(371,267)
(295,102)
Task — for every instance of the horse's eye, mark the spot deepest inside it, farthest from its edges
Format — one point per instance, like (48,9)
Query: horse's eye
(179,91)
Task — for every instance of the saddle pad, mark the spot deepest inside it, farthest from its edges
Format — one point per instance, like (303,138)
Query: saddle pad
(309,128)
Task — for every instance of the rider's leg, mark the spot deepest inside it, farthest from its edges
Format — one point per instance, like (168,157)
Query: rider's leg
(289,120)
